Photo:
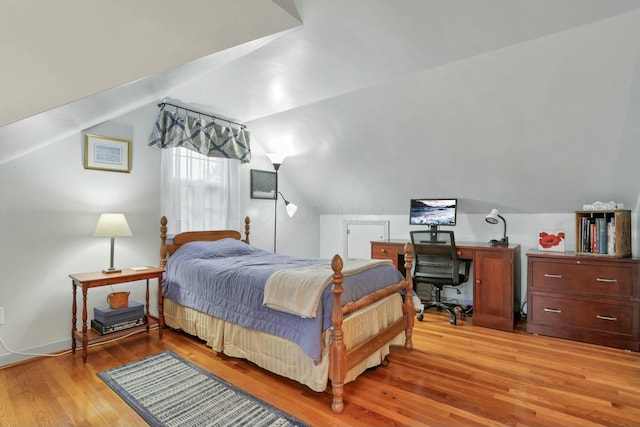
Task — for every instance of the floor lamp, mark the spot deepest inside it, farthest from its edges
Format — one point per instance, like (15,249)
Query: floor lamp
(277,160)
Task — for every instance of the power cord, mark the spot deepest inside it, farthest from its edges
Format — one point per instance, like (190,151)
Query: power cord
(4,345)
(523,311)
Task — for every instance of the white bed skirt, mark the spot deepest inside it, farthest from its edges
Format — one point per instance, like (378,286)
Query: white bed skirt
(284,357)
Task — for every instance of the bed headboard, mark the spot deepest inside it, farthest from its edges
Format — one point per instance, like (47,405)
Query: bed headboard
(191,236)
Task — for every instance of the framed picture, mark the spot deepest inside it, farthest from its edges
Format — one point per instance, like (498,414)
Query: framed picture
(551,241)
(107,154)
(263,184)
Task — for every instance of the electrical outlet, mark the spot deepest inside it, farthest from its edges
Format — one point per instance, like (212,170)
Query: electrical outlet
(1,315)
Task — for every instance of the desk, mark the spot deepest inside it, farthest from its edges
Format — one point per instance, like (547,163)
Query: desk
(97,279)
(496,292)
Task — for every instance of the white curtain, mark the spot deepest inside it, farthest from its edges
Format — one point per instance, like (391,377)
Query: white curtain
(199,192)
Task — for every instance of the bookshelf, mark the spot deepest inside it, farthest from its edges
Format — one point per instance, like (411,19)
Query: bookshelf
(603,233)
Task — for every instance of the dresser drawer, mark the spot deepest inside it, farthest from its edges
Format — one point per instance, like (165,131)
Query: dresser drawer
(384,251)
(574,277)
(464,253)
(587,314)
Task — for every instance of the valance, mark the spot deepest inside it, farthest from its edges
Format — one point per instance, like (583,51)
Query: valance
(200,134)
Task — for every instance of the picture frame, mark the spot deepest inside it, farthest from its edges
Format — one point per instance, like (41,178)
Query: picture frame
(106,153)
(551,241)
(263,184)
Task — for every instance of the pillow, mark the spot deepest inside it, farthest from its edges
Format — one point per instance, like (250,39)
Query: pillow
(218,248)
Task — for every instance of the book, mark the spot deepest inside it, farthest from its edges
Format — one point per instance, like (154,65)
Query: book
(107,329)
(611,236)
(601,225)
(108,316)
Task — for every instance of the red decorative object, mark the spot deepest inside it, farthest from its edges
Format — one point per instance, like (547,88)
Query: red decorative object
(551,241)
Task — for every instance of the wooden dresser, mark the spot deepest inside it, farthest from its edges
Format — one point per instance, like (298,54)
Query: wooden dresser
(584,298)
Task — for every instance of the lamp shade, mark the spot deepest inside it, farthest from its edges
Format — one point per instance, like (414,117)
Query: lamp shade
(276,158)
(493,217)
(291,209)
(112,225)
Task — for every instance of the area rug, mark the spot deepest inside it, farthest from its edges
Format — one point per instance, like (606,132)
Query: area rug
(167,390)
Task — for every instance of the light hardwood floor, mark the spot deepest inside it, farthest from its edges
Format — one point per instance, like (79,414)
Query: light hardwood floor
(456,375)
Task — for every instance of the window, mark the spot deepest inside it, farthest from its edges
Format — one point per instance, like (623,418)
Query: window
(199,192)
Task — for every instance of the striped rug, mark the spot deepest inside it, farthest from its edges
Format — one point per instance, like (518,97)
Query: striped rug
(167,390)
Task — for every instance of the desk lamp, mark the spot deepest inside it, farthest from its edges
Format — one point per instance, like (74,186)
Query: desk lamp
(112,225)
(492,218)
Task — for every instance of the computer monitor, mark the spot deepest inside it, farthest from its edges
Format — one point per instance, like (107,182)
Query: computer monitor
(433,212)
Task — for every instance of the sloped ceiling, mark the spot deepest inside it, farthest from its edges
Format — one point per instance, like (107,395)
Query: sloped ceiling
(529,106)
(71,64)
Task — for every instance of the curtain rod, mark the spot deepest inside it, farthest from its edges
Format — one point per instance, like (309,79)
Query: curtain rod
(163,104)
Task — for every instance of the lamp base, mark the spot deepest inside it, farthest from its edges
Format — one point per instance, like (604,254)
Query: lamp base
(111,270)
(499,243)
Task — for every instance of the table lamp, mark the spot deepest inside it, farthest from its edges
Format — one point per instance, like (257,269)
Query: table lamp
(492,218)
(112,225)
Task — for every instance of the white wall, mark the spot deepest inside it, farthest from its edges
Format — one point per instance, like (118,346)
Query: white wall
(49,207)
(298,236)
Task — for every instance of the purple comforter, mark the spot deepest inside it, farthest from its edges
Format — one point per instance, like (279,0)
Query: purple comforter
(226,278)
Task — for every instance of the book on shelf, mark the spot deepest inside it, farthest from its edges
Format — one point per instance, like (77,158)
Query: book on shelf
(604,233)
(107,329)
(601,225)
(611,236)
(597,235)
(109,316)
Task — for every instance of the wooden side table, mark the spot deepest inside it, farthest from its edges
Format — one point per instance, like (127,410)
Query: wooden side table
(97,279)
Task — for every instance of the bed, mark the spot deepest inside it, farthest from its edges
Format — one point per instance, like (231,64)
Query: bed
(332,332)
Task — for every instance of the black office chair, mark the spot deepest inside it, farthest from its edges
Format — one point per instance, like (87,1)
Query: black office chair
(437,264)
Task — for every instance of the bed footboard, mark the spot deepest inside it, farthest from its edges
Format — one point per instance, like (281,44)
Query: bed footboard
(341,360)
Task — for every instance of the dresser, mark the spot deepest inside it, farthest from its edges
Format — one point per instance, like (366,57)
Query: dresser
(584,298)
(496,290)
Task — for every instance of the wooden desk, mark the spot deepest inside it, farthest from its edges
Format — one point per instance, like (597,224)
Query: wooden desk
(97,279)
(496,292)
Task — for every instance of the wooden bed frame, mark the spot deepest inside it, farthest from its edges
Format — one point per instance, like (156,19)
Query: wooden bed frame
(340,359)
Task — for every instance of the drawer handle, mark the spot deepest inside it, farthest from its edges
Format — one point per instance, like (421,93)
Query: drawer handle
(598,279)
(605,317)
(553,276)
(384,251)
(552,310)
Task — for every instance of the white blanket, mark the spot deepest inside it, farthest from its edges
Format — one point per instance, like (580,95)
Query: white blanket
(297,291)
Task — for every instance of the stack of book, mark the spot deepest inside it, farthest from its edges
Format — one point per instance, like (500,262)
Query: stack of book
(597,235)
(107,320)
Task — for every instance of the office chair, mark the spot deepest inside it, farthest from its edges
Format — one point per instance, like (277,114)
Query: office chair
(437,263)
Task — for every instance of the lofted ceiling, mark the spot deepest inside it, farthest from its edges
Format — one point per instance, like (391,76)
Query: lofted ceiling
(529,106)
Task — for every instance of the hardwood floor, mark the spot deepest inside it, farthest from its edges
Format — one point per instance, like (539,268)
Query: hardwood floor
(456,375)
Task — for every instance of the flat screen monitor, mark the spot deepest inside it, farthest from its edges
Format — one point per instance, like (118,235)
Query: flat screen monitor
(433,212)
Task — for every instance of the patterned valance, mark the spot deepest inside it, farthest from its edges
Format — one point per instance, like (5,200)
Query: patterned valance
(200,134)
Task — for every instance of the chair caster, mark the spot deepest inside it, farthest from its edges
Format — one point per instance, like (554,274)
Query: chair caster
(453,320)
(420,317)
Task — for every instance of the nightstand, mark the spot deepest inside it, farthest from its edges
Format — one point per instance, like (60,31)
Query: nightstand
(97,279)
